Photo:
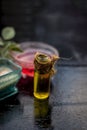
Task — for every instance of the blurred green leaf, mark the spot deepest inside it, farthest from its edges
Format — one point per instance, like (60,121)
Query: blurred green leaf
(6,44)
(8,33)
(1,42)
(15,47)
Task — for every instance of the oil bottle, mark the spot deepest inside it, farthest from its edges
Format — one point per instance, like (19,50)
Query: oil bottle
(43,71)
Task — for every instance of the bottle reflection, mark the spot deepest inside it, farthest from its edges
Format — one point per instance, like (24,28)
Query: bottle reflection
(42,113)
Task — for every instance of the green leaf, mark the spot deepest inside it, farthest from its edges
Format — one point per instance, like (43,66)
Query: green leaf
(1,42)
(4,50)
(8,33)
(15,47)
(6,44)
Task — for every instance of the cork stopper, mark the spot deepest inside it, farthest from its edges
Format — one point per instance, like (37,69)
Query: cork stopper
(43,63)
(42,58)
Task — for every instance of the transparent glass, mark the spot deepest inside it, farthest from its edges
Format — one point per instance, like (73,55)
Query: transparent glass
(10,73)
(26,59)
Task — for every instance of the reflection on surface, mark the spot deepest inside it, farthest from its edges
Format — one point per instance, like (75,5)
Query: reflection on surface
(25,85)
(42,113)
(10,109)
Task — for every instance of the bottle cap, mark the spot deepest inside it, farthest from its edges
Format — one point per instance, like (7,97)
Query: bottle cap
(43,63)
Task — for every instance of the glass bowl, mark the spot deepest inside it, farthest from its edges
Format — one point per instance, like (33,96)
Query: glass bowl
(10,74)
(26,59)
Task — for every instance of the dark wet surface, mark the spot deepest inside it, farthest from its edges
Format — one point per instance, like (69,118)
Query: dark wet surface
(66,108)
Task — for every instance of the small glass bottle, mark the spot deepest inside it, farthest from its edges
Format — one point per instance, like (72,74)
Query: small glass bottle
(42,74)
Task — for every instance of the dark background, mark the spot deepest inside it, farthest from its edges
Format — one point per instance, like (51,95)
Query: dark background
(61,23)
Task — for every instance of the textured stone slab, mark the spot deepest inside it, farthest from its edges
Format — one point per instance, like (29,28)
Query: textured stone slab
(66,109)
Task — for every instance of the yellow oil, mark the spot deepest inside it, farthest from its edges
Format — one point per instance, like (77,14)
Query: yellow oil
(42,113)
(40,107)
(41,85)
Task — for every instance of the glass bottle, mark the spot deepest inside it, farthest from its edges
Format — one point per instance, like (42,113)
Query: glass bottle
(42,74)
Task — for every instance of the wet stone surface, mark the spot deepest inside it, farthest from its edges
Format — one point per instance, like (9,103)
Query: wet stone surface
(66,108)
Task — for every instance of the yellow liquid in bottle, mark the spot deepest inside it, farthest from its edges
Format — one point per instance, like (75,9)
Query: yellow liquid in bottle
(41,85)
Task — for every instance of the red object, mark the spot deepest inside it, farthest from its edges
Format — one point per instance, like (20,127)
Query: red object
(28,72)
(25,85)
